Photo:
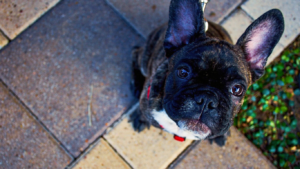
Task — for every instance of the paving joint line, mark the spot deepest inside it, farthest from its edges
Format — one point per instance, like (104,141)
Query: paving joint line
(247,13)
(112,147)
(234,11)
(125,19)
(183,154)
(93,144)
(9,40)
(173,164)
(74,159)
(218,21)
(37,119)
(89,149)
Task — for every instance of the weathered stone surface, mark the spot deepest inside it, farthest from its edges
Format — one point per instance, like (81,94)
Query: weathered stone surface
(78,48)
(217,10)
(290,10)
(101,156)
(148,15)
(152,148)
(24,142)
(145,16)
(3,40)
(237,153)
(236,24)
(17,15)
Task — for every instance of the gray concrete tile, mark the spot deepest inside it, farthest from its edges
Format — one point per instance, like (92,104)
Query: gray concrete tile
(24,142)
(54,65)
(17,15)
(217,10)
(146,15)
(290,10)
(237,153)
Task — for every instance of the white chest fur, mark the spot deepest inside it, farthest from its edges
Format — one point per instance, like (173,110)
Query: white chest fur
(170,126)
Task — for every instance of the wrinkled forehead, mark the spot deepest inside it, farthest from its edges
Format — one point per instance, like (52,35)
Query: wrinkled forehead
(221,59)
(210,53)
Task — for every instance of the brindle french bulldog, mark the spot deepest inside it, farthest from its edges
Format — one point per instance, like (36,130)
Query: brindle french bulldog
(191,83)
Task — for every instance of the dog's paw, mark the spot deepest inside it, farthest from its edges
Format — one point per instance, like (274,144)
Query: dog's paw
(220,140)
(138,122)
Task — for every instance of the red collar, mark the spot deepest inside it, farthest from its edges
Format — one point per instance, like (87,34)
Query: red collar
(148,92)
(177,138)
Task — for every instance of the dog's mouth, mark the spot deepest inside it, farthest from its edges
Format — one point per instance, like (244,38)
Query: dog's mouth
(199,121)
(190,129)
(194,126)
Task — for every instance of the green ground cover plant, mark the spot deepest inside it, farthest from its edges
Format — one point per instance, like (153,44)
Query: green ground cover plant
(270,114)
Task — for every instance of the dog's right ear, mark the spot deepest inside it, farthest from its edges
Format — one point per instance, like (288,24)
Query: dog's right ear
(186,23)
(259,40)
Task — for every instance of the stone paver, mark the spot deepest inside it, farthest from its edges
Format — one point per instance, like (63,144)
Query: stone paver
(17,15)
(77,48)
(236,25)
(148,15)
(143,15)
(101,156)
(3,40)
(217,10)
(152,148)
(290,10)
(24,143)
(237,153)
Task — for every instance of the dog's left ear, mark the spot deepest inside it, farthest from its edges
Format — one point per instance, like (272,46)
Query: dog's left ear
(185,24)
(259,40)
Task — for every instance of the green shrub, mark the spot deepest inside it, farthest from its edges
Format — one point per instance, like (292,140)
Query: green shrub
(268,118)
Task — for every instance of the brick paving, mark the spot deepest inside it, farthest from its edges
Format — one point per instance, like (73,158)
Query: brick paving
(53,65)
(148,15)
(76,58)
(17,15)
(101,156)
(149,149)
(237,153)
(24,142)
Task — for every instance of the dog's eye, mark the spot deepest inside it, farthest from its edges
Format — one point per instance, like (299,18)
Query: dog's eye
(182,73)
(237,90)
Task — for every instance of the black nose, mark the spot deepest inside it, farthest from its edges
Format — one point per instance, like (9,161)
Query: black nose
(207,100)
